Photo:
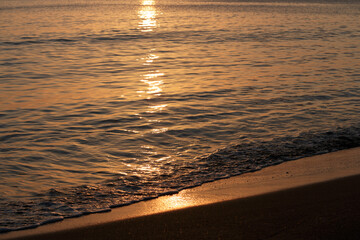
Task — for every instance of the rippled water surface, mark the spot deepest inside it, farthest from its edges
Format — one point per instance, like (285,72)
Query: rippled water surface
(104,103)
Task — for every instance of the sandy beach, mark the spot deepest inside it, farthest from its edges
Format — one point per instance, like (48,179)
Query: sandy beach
(310,198)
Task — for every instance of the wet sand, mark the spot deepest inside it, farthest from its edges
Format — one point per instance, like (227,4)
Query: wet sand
(310,198)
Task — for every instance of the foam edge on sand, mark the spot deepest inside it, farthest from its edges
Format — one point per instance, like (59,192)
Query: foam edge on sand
(266,203)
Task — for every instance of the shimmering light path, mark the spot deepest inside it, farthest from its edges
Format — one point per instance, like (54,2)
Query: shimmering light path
(104,103)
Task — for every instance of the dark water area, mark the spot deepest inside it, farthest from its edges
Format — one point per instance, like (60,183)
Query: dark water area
(106,103)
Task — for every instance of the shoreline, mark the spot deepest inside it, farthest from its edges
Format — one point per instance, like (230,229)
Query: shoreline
(290,180)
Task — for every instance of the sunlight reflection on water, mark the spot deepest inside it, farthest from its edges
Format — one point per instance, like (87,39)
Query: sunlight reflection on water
(147,23)
(147,15)
(102,91)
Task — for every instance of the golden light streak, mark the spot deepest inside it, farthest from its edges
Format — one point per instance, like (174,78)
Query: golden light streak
(148,2)
(147,14)
(154,85)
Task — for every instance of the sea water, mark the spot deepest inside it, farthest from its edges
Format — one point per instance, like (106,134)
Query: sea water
(104,103)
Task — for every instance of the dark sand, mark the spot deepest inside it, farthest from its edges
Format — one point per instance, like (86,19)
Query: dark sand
(327,210)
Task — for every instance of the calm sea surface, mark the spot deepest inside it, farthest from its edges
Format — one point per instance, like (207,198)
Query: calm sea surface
(105,103)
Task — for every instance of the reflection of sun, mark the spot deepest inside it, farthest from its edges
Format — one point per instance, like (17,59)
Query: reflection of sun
(176,201)
(150,58)
(157,108)
(147,14)
(153,75)
(147,2)
(154,84)
(148,169)
(159,130)
(147,23)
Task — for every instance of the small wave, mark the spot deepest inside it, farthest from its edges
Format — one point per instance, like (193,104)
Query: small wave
(106,37)
(9,137)
(29,42)
(199,36)
(124,189)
